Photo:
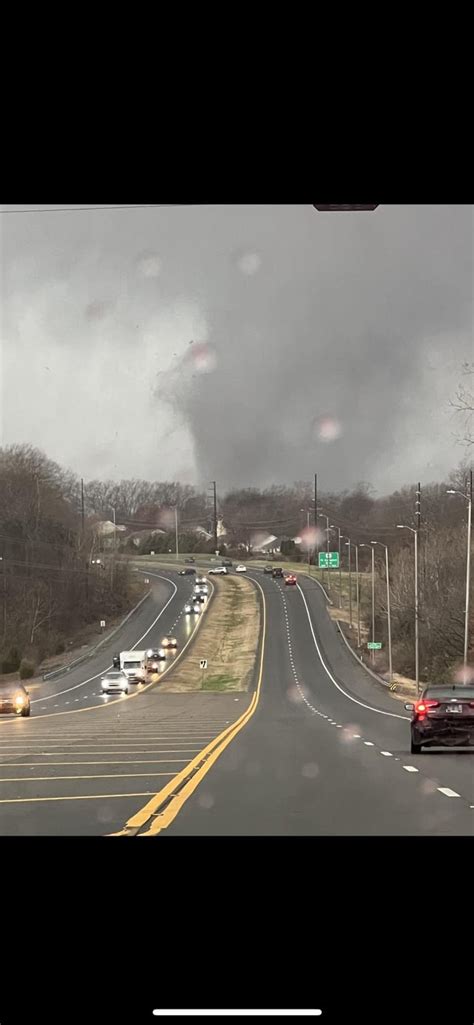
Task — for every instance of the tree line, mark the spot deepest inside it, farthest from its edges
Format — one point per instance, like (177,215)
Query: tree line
(51,585)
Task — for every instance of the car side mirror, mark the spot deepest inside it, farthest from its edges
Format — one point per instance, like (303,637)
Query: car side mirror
(409,706)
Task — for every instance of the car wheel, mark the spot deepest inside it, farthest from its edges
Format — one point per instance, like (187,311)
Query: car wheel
(415,749)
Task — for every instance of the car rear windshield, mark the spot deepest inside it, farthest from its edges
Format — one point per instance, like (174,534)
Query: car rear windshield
(450,692)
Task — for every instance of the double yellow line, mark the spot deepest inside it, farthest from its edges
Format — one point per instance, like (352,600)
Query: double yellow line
(180,788)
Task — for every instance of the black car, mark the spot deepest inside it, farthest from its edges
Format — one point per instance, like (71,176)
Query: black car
(268,569)
(186,572)
(442,717)
(277,571)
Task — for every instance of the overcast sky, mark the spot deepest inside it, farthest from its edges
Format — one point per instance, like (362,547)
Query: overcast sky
(245,344)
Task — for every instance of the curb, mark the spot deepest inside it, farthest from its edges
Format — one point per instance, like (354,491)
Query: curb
(358,659)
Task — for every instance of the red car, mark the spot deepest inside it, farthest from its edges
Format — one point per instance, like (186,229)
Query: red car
(290,579)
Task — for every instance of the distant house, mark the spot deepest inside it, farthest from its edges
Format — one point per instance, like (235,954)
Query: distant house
(108,532)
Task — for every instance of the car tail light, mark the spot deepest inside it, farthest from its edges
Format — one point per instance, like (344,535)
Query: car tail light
(422,707)
(471,704)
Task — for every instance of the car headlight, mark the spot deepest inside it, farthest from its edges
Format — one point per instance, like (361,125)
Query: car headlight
(19,700)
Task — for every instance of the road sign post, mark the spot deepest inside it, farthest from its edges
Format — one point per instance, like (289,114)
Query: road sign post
(102,624)
(203,667)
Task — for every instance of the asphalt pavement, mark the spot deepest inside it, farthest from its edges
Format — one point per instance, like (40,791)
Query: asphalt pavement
(82,763)
(327,750)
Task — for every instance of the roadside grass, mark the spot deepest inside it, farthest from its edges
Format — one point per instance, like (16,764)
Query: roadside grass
(221,682)
(227,638)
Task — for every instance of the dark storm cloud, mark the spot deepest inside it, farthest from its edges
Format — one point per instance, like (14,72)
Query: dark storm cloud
(363,319)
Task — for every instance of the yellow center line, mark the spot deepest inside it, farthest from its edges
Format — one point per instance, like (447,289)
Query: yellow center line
(210,753)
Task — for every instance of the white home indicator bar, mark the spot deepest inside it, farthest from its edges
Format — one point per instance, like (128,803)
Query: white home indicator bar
(238,1013)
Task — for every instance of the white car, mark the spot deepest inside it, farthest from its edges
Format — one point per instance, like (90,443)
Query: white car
(114,682)
(192,607)
(240,569)
(201,589)
(218,569)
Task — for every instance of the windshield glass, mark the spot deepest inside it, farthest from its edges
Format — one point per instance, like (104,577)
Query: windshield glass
(450,693)
(193,390)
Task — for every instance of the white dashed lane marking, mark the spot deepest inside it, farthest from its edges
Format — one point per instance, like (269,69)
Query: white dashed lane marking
(447,791)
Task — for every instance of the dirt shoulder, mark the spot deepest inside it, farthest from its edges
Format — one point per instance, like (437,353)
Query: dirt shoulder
(228,638)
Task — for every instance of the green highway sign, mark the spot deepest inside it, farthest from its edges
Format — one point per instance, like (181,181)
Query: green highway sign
(331,560)
(374,645)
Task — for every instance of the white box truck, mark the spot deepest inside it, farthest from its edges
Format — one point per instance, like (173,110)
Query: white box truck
(133,664)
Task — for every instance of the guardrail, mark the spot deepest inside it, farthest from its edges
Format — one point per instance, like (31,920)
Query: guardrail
(92,651)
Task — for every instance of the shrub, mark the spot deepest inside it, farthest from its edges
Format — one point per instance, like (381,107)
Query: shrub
(27,668)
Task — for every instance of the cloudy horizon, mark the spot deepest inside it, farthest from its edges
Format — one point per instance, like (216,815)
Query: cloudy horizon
(251,345)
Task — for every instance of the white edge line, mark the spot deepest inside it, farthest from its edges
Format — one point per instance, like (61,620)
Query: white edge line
(48,697)
(393,715)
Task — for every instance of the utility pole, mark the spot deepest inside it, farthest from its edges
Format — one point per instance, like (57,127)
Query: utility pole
(213,485)
(414,531)
(86,561)
(82,507)
(468,498)
(176,530)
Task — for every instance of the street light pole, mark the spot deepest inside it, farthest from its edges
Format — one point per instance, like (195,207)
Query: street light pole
(176,531)
(468,498)
(403,526)
(348,543)
(112,568)
(333,527)
(307,538)
(327,518)
(357,594)
(373,598)
(389,621)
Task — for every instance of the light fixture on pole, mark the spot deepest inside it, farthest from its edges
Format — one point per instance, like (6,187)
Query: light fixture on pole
(389,621)
(403,526)
(468,498)
(363,545)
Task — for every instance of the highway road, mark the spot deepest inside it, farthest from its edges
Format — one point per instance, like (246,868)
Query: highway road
(325,752)
(82,764)
(327,749)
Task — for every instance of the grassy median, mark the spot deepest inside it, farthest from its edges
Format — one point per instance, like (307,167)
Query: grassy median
(227,637)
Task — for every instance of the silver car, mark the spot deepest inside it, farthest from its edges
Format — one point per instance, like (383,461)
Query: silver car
(114,682)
